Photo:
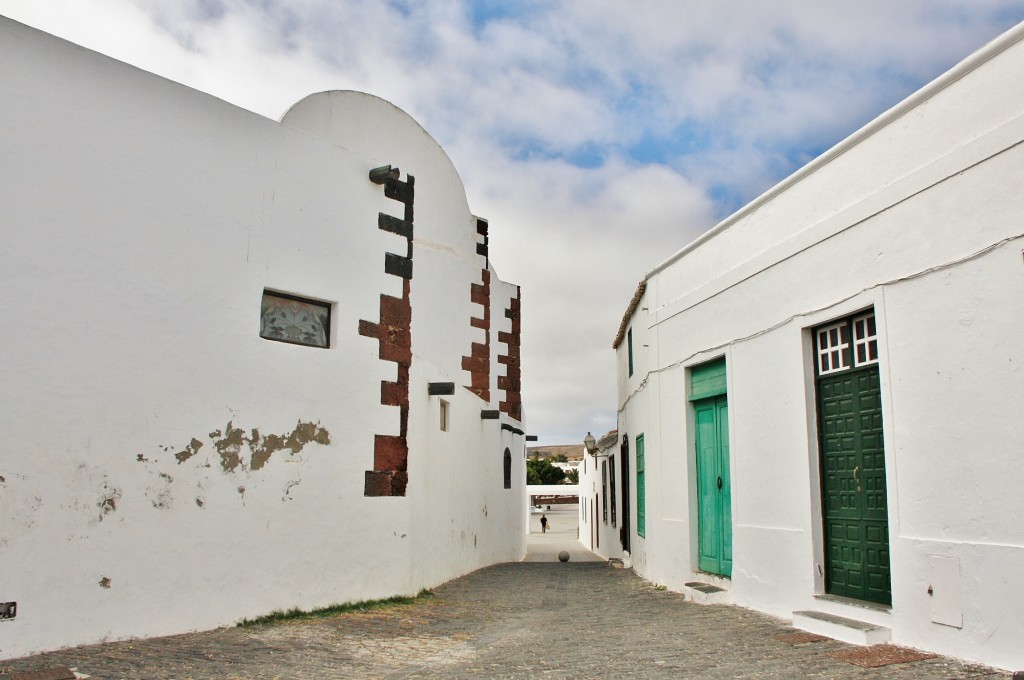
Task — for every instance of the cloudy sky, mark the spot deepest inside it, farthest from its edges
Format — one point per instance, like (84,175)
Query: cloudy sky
(597,136)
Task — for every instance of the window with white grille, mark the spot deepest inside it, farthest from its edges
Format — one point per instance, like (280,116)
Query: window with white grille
(850,343)
(865,340)
(833,348)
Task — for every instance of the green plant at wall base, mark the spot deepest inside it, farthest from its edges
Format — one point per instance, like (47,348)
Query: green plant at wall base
(333,609)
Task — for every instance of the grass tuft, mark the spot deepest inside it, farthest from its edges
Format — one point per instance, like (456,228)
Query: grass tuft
(332,609)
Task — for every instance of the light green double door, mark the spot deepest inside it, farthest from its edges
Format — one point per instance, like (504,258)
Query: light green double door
(714,497)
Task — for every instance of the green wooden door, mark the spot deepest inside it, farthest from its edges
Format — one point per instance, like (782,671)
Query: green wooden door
(714,500)
(853,485)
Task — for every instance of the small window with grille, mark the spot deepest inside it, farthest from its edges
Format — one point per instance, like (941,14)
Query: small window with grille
(845,344)
(833,348)
(865,340)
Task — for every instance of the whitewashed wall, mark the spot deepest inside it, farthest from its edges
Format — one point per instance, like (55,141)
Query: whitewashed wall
(917,215)
(597,533)
(141,223)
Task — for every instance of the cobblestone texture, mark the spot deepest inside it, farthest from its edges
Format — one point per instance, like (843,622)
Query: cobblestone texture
(520,620)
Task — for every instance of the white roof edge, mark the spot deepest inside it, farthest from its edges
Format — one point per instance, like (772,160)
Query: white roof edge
(987,52)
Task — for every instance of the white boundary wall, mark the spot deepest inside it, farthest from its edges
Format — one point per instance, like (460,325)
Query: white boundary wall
(141,223)
(917,216)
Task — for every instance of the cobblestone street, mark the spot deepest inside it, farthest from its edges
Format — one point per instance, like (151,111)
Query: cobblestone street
(520,620)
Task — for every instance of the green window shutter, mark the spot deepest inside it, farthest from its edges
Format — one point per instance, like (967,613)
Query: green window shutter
(641,511)
(629,349)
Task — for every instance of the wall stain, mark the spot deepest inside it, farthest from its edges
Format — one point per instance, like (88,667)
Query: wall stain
(200,502)
(108,500)
(141,458)
(163,496)
(288,489)
(105,582)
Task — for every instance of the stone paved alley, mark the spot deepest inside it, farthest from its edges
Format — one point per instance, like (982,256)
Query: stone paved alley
(522,620)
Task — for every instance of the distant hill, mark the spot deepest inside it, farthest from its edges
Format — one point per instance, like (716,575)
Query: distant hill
(570,451)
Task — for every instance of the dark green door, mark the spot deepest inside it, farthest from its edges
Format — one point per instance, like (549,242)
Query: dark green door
(714,502)
(853,485)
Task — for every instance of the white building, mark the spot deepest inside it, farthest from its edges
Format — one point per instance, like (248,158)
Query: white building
(822,397)
(241,370)
(604,518)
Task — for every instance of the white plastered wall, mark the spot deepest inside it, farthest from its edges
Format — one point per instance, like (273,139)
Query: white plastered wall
(142,222)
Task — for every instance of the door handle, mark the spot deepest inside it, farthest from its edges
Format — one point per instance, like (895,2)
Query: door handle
(719,482)
(855,471)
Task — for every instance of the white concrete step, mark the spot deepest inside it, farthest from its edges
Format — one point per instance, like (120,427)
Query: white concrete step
(706,593)
(841,628)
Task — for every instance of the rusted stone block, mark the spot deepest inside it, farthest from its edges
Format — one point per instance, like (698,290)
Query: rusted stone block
(479,323)
(391,351)
(481,380)
(395,311)
(508,383)
(394,394)
(480,351)
(389,452)
(399,481)
(475,365)
(377,483)
(369,329)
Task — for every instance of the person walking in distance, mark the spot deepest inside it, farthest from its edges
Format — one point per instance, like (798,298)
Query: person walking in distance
(543,523)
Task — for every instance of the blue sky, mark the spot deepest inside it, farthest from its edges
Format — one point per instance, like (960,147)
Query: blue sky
(612,133)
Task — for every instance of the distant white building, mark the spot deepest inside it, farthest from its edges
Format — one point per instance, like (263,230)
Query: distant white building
(246,366)
(604,519)
(821,399)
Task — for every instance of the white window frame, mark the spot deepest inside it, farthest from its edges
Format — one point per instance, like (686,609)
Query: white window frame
(869,341)
(829,352)
(444,410)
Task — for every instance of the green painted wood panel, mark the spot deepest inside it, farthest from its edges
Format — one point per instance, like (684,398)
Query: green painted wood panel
(714,487)
(641,485)
(629,349)
(853,483)
(707,380)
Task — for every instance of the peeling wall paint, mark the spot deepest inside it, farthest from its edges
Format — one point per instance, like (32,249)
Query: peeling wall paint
(239,451)
(186,453)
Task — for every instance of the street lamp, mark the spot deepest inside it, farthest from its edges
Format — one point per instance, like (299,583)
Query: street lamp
(590,443)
